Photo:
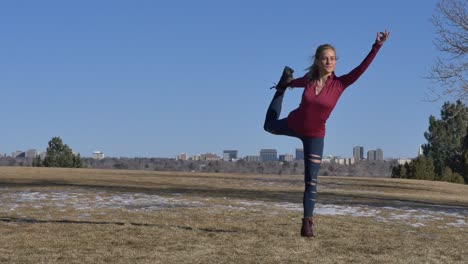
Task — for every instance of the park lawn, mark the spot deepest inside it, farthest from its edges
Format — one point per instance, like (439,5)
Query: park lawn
(214,223)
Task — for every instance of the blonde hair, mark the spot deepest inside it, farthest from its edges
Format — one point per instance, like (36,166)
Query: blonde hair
(313,71)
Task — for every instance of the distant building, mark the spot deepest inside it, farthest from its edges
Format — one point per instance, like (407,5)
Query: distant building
(328,159)
(379,155)
(209,156)
(31,153)
(181,156)
(420,151)
(195,157)
(268,155)
(341,161)
(358,153)
(338,160)
(299,154)
(18,154)
(286,157)
(229,155)
(350,161)
(371,155)
(402,161)
(375,155)
(252,158)
(97,155)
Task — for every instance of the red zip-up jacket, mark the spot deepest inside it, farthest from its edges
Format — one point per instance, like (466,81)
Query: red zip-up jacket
(310,117)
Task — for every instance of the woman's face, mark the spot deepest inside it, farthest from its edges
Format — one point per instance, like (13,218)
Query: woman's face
(326,62)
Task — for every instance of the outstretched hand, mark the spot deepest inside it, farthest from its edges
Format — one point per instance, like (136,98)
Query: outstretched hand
(382,37)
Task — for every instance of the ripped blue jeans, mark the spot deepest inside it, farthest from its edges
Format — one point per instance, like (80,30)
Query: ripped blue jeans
(313,151)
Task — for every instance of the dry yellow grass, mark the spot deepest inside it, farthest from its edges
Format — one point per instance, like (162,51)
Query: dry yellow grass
(79,216)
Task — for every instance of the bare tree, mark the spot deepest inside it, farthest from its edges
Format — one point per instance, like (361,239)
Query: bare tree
(450,71)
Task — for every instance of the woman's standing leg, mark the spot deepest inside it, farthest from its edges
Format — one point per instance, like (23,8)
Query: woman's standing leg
(313,151)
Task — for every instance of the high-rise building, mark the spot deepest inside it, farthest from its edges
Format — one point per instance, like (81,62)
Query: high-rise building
(358,153)
(268,155)
(371,155)
(229,155)
(379,154)
(299,154)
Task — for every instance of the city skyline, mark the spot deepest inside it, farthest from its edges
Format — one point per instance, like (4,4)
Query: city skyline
(233,154)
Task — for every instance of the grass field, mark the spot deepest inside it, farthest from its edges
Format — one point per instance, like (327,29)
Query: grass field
(116,216)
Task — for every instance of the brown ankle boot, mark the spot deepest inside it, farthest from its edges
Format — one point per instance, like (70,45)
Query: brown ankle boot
(307,229)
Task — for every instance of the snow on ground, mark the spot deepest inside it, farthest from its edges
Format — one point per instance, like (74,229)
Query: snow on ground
(81,199)
(406,215)
(89,199)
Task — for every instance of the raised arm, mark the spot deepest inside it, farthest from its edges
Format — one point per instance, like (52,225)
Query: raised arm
(353,75)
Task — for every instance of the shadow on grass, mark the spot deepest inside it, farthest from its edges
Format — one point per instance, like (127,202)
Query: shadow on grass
(357,186)
(275,196)
(64,221)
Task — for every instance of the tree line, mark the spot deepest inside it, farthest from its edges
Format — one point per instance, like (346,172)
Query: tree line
(363,168)
(59,154)
(445,155)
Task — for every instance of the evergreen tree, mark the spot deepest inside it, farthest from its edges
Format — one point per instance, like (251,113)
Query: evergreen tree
(422,168)
(445,137)
(37,162)
(77,161)
(450,176)
(60,155)
(399,171)
(463,168)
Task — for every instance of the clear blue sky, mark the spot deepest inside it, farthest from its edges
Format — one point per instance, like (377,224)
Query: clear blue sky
(157,78)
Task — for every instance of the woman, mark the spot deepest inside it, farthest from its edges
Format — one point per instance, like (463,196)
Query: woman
(321,92)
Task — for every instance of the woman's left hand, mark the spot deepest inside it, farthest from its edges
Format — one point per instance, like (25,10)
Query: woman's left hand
(382,37)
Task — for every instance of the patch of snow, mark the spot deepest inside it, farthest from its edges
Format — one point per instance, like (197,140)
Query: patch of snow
(87,200)
(458,223)
(416,224)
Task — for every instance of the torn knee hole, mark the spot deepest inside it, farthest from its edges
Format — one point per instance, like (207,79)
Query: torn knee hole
(315,158)
(311,183)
